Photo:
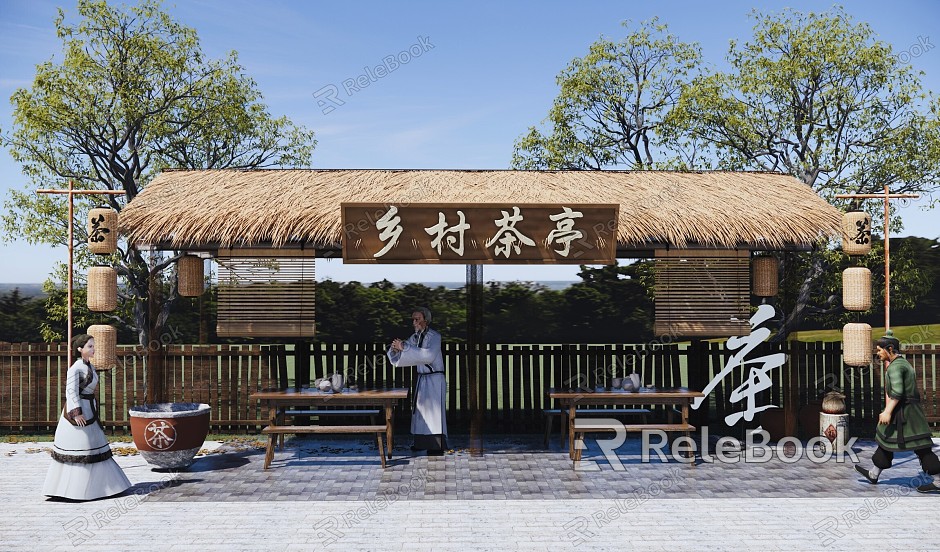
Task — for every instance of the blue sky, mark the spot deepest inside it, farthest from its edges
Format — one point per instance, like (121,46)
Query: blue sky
(486,72)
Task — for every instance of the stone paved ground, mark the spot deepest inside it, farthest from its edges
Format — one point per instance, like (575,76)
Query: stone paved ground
(333,495)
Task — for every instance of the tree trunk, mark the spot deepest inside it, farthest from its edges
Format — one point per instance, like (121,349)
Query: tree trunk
(792,320)
(156,375)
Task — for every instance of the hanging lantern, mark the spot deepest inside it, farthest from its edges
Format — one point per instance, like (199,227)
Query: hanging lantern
(102,289)
(102,230)
(190,272)
(105,346)
(856,233)
(856,344)
(764,270)
(856,289)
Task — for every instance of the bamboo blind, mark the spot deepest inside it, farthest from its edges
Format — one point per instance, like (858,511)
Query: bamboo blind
(702,293)
(266,293)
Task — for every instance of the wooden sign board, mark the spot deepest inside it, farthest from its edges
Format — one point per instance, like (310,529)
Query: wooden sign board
(454,233)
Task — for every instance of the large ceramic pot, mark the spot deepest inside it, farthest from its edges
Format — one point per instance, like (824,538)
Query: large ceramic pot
(168,435)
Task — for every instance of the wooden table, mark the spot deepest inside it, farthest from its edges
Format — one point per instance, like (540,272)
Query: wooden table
(570,400)
(278,400)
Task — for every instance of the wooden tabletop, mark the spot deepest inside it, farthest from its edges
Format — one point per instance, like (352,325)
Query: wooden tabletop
(631,395)
(390,393)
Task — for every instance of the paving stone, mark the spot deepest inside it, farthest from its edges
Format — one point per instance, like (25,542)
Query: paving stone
(528,498)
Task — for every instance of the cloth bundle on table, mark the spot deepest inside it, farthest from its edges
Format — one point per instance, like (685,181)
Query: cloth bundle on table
(428,417)
(82,467)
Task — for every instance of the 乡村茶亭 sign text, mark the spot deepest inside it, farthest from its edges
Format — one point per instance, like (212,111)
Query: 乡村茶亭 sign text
(480,233)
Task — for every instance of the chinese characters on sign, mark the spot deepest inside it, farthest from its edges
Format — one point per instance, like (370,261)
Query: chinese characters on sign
(481,233)
(508,235)
(389,230)
(98,230)
(757,378)
(862,231)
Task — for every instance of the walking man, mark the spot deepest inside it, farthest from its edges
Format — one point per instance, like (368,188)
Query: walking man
(902,426)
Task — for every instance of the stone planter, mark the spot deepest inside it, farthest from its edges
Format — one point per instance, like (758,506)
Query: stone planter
(168,435)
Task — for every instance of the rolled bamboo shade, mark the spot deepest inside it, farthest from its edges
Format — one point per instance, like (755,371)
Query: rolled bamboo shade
(764,273)
(856,289)
(191,276)
(856,233)
(105,346)
(266,293)
(702,293)
(102,230)
(102,289)
(856,344)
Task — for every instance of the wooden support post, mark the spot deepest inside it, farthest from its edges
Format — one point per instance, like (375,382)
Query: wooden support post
(474,356)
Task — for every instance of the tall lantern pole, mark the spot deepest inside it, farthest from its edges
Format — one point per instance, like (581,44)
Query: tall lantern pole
(72,192)
(886,196)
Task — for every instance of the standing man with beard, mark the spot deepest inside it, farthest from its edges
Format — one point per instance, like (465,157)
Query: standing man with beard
(423,350)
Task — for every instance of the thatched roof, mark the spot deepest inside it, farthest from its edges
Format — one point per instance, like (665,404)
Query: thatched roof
(221,208)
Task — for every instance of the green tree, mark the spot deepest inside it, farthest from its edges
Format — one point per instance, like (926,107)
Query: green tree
(134,94)
(817,96)
(613,105)
(521,312)
(20,317)
(609,305)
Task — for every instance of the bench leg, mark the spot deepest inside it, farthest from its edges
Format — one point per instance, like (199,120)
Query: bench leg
(269,453)
(548,428)
(381,444)
(390,432)
(578,447)
(562,428)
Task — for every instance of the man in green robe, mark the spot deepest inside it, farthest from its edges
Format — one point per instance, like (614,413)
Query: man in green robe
(902,426)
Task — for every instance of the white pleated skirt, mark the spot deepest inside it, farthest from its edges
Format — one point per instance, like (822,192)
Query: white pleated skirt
(82,467)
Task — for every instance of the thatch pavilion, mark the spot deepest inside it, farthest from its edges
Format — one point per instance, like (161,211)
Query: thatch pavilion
(740,212)
(207,209)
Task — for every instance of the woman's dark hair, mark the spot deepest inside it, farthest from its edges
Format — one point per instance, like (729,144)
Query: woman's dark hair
(79,341)
(889,342)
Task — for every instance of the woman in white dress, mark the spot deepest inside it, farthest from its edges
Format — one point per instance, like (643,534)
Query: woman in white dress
(82,467)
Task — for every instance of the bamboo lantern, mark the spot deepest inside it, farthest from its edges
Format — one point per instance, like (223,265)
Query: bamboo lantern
(102,289)
(105,346)
(764,270)
(856,233)
(856,289)
(102,230)
(190,272)
(856,344)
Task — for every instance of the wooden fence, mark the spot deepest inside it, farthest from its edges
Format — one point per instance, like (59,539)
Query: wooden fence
(512,380)
(32,379)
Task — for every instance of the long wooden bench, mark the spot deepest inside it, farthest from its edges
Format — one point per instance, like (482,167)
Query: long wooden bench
(562,414)
(319,412)
(324,412)
(592,426)
(379,431)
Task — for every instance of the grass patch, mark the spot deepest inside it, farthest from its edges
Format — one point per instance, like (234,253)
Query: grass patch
(924,333)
